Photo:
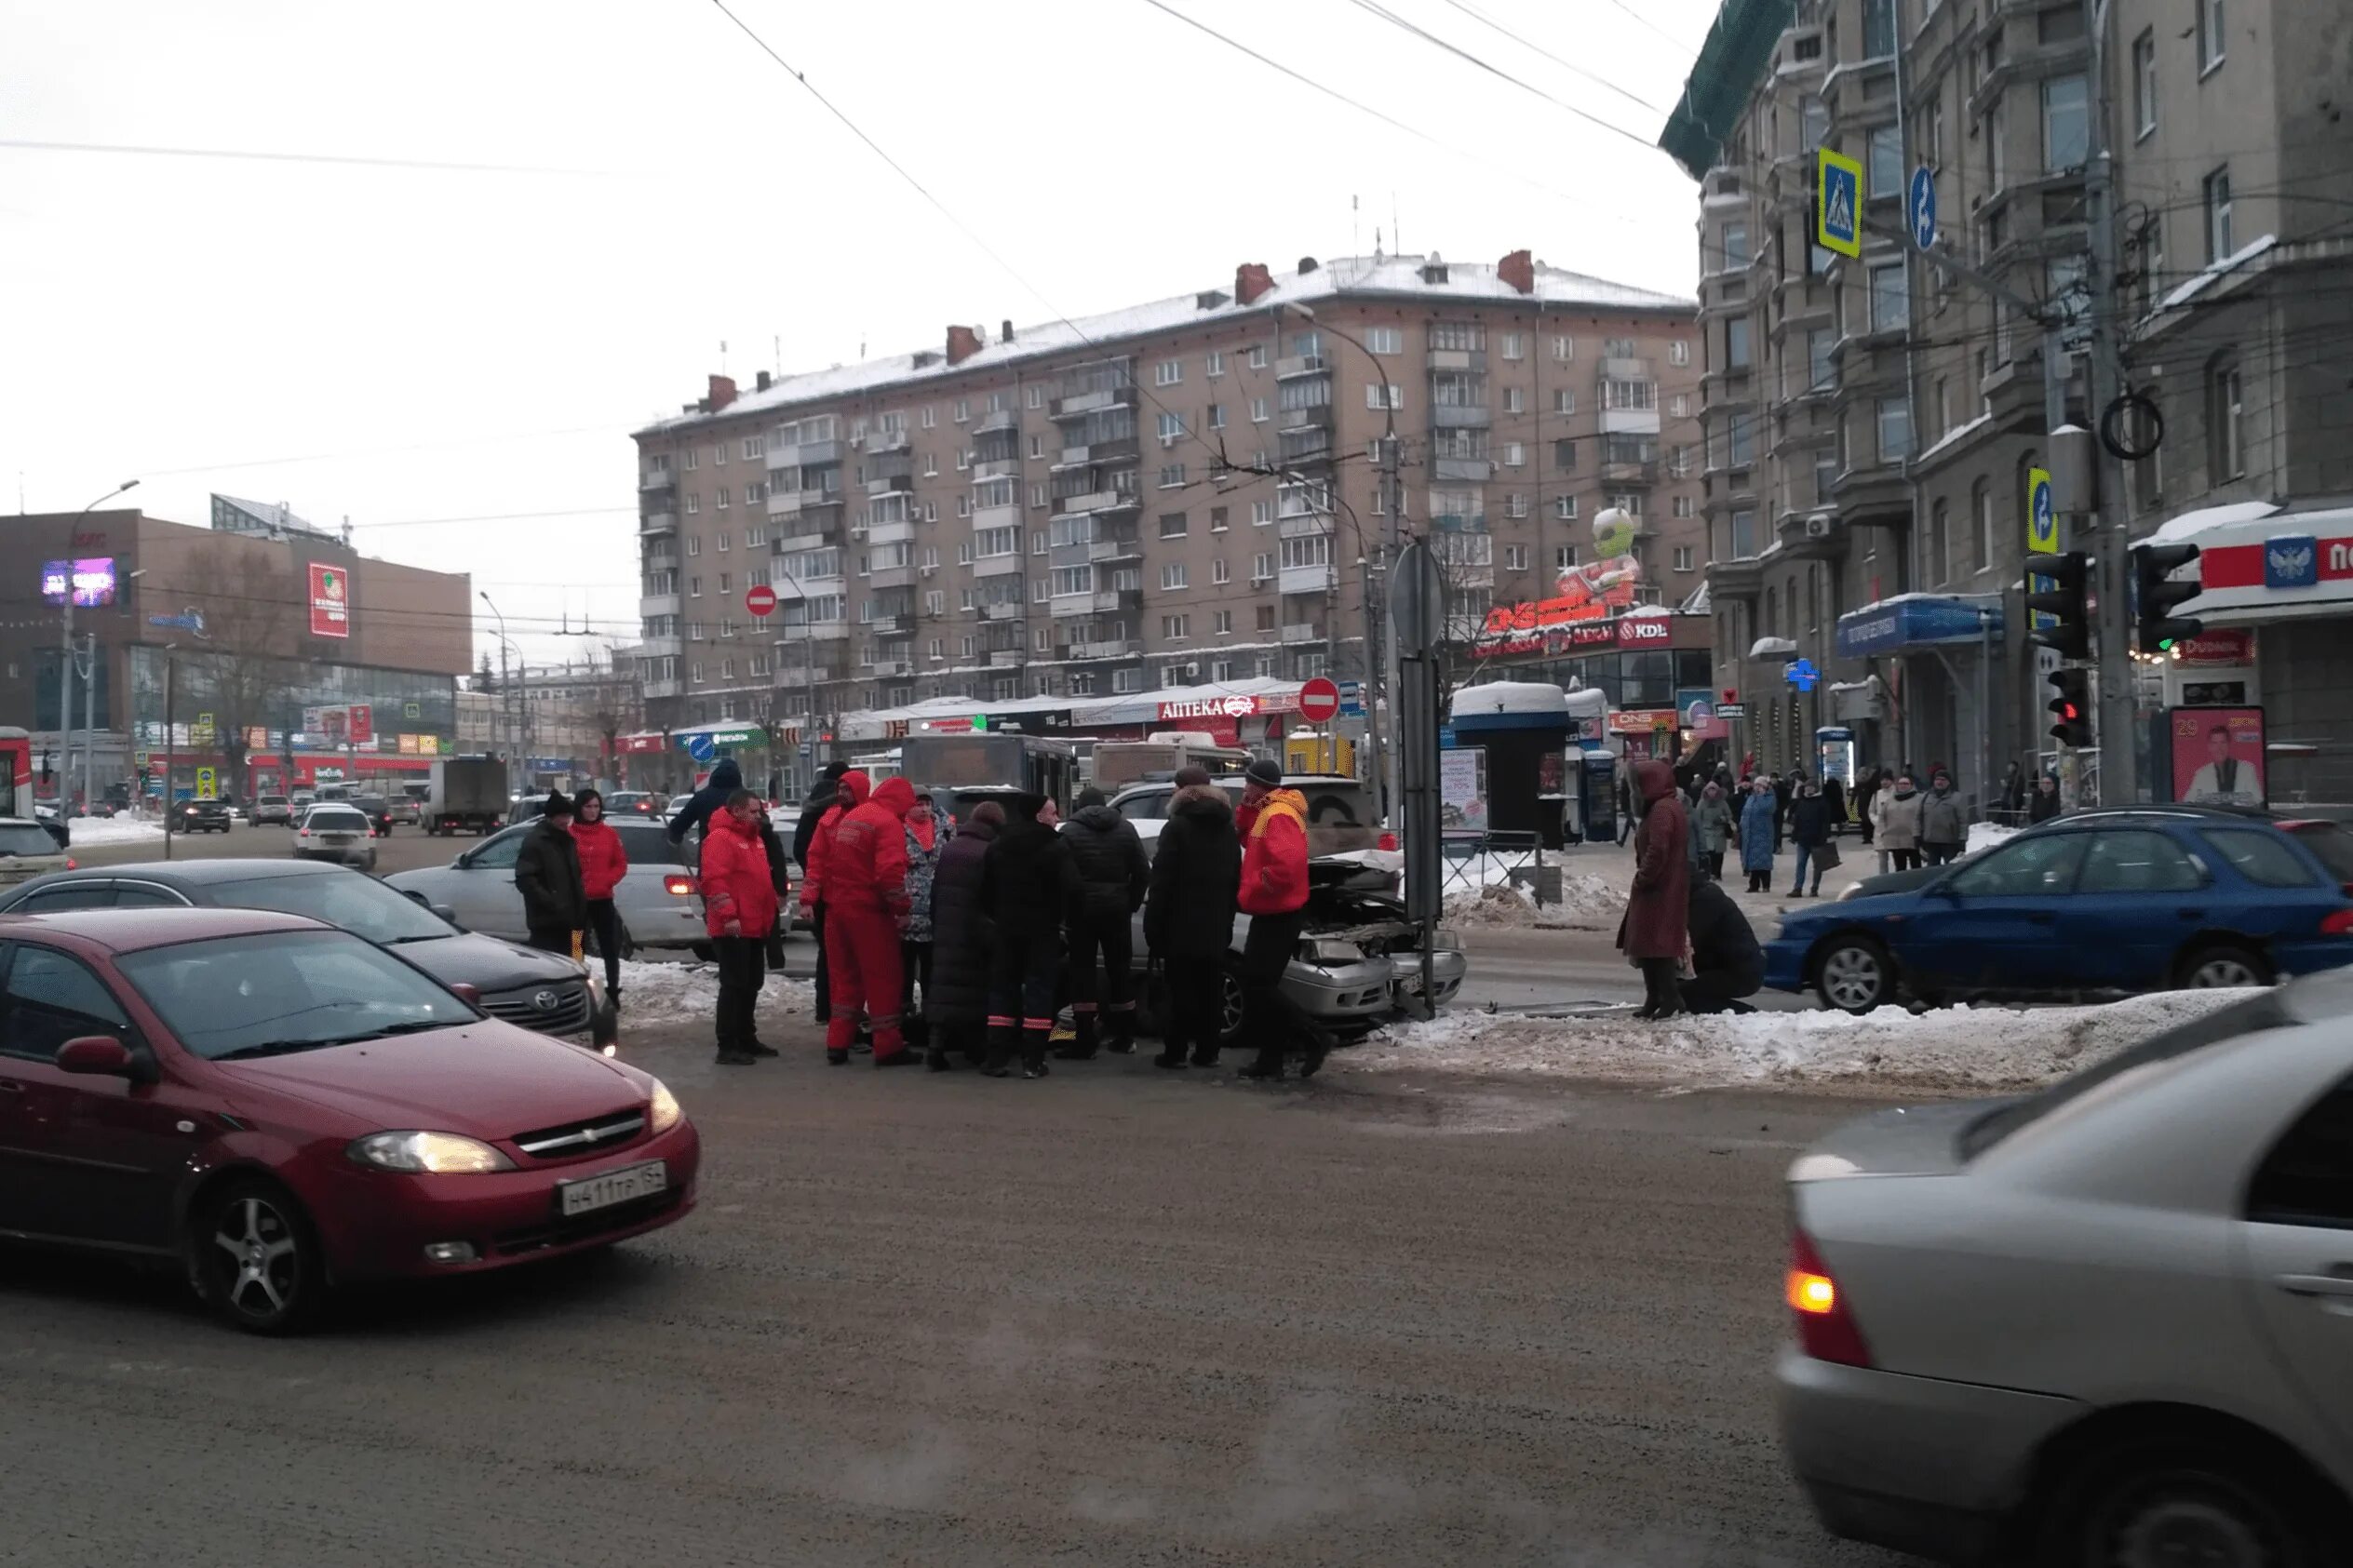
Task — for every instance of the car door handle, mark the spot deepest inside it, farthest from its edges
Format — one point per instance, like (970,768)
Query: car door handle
(2317,1284)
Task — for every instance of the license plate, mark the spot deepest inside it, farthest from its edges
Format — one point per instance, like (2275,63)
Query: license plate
(614,1186)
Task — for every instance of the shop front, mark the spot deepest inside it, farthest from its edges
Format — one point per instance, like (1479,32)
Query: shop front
(1931,700)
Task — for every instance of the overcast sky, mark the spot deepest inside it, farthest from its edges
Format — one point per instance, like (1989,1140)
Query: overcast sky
(399,346)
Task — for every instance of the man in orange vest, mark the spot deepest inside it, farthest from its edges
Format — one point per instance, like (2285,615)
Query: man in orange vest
(1272,823)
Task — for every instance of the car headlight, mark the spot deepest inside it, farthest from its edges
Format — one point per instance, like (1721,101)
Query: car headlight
(1330,950)
(667,1114)
(596,987)
(439,1154)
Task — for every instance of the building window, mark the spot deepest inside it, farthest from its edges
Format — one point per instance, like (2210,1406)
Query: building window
(2145,80)
(1389,397)
(1744,530)
(1385,339)
(1219,571)
(1168,372)
(694,587)
(1516,345)
(1172,525)
(1895,430)
(1936,565)
(1822,369)
(1563,400)
(1217,519)
(1217,416)
(1258,357)
(1515,504)
(1173,627)
(2226,421)
(1933,132)
(1565,455)
(1878,29)
(1261,512)
(1514,455)
(1515,400)
(1212,365)
(1037,446)
(1679,352)
(1743,428)
(1172,429)
(2218,244)
(2067,124)
(1564,348)
(1257,410)
(1813,121)
(2209,34)
(1515,557)
(929,417)
(1883,161)
(1683,506)
(1172,476)
(1565,507)
(1737,352)
(693,504)
(1683,557)
(1981,505)
(963,409)
(1173,574)
(1890,306)
(1564,558)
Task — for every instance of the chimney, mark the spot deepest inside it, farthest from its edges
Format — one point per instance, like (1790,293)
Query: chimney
(721,394)
(962,343)
(1518,271)
(1250,280)
(759,382)
(1004,330)
(1307,263)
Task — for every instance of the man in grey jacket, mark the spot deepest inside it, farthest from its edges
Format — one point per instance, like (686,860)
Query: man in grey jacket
(1942,826)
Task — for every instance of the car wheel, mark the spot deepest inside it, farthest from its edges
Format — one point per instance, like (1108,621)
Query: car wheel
(1855,974)
(1230,1009)
(2208,968)
(255,1259)
(2150,1505)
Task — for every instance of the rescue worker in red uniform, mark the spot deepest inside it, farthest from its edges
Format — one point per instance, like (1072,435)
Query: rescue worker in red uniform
(865,873)
(1272,823)
(849,791)
(740,906)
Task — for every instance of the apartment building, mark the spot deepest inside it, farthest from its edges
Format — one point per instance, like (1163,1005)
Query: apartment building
(1870,421)
(1182,493)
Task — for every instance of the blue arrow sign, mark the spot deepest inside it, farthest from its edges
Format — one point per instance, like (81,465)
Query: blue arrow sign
(1920,205)
(701,748)
(1802,675)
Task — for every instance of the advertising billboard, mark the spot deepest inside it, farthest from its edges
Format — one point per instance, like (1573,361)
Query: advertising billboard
(330,601)
(361,725)
(2217,756)
(92,578)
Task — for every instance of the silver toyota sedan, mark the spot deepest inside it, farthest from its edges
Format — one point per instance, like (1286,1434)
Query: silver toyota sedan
(2107,1323)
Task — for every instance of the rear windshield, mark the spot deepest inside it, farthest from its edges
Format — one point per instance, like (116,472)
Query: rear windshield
(338,819)
(2329,841)
(274,800)
(648,843)
(23,838)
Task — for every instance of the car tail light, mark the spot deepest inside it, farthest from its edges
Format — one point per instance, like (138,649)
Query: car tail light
(1388,840)
(678,886)
(1827,1329)
(304,834)
(2338,924)
(70,865)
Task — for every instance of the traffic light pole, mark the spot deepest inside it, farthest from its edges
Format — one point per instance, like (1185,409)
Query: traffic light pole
(2119,706)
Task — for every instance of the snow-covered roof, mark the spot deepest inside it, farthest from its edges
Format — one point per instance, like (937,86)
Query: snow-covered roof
(2190,287)
(1508,696)
(1773,648)
(1352,278)
(1957,433)
(2189,525)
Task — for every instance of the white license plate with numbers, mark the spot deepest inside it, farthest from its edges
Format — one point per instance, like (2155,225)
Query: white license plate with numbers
(614,1186)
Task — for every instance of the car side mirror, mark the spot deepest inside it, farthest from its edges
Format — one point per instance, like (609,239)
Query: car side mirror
(466,992)
(95,1056)
(446,913)
(413,896)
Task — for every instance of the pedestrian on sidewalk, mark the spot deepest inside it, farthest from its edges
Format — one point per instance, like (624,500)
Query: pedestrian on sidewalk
(1189,907)
(1810,827)
(848,793)
(866,908)
(2045,804)
(603,863)
(1866,795)
(1943,824)
(1756,836)
(927,840)
(1030,892)
(1899,824)
(1725,962)
(822,799)
(1833,796)
(1710,826)
(1112,876)
(739,909)
(1272,826)
(956,989)
(1625,787)
(547,873)
(1782,793)
(1654,932)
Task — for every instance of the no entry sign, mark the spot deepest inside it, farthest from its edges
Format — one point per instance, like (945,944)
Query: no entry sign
(1319,700)
(760,599)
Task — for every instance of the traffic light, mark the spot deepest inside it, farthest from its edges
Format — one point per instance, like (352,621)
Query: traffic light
(2155,627)
(2065,600)
(2072,706)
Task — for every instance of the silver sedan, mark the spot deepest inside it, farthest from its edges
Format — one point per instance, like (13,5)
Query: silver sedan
(2109,1323)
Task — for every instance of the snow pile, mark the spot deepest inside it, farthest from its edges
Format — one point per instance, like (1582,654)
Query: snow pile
(687,993)
(115,830)
(1587,903)
(1959,1048)
(1986,835)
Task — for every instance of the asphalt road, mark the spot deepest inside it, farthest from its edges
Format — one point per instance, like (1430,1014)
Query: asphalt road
(1114,1318)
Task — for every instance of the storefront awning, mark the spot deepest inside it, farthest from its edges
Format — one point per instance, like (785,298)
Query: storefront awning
(2256,563)
(1911,621)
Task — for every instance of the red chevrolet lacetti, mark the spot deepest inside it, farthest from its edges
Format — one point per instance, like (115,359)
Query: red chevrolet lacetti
(287,1108)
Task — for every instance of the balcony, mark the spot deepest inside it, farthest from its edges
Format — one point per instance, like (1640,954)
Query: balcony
(893,625)
(996,517)
(1465,470)
(1457,359)
(1119,448)
(1091,501)
(659,648)
(1004,610)
(996,565)
(813,499)
(658,479)
(1309,525)
(658,558)
(896,473)
(650,605)
(892,576)
(1292,367)
(1459,522)
(816,631)
(890,533)
(658,690)
(1116,648)
(1630,421)
(1003,419)
(1102,601)
(1743,579)
(1641,473)
(1302,631)
(893,668)
(997,468)
(1006,658)
(1307,579)
(654,525)
(802,531)
(1083,403)
(1812,535)
(805,454)
(1115,550)
(1451,416)
(1874,493)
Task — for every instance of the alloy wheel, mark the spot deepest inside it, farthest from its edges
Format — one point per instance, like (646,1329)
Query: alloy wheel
(1230,1009)
(263,1275)
(2223,969)
(1853,977)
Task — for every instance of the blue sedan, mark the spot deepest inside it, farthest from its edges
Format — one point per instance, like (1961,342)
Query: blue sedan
(2136,899)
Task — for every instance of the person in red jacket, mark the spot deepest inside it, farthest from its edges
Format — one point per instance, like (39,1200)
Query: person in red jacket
(866,904)
(739,910)
(848,793)
(1272,823)
(602,864)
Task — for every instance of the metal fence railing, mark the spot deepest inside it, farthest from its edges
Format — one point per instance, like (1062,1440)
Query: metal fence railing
(1472,859)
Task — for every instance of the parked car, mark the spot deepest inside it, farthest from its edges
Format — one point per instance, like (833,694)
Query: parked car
(1340,814)
(2133,899)
(60,830)
(277,1107)
(27,850)
(404,807)
(276,809)
(201,816)
(2102,1324)
(659,901)
(336,832)
(538,990)
(635,803)
(377,809)
(302,801)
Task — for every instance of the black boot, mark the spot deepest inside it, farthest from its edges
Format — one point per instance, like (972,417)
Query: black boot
(1268,1068)
(1206,1054)
(1172,1052)
(997,1063)
(836,1057)
(1033,1051)
(936,1059)
(1086,1038)
(1119,1032)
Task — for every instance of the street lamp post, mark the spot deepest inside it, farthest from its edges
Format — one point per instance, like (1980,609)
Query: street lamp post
(505,695)
(65,664)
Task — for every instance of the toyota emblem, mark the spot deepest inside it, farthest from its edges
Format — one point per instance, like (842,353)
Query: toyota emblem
(544,1000)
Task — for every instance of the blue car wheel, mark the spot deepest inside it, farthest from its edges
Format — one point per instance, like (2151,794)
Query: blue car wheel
(1855,974)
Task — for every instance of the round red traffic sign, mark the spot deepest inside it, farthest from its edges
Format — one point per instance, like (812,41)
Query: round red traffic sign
(1319,700)
(760,599)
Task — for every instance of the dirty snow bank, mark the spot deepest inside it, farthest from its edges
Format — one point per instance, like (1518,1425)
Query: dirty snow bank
(1986,835)
(115,830)
(1587,903)
(1953,1050)
(655,992)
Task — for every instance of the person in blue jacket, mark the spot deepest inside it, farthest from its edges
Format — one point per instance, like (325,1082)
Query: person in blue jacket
(1757,816)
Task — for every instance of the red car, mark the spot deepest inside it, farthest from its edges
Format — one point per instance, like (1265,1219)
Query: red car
(282,1106)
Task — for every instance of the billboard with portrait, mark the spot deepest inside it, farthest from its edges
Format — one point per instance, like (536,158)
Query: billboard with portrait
(2217,755)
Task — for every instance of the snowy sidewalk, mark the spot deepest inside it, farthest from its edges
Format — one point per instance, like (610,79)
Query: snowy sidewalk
(1594,878)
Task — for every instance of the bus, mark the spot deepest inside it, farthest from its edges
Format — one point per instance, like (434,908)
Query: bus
(1156,757)
(959,771)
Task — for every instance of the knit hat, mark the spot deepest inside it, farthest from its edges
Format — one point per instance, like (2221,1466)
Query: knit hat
(559,805)
(1266,770)
(1090,796)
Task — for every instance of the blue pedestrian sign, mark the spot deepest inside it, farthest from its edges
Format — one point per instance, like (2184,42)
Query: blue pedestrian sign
(1837,203)
(1920,207)
(1802,675)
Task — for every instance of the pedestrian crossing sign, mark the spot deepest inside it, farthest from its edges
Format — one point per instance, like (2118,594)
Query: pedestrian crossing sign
(1837,203)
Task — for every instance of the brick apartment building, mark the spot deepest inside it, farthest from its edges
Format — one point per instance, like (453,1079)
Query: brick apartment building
(1178,494)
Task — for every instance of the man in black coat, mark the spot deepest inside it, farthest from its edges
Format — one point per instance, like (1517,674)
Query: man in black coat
(727,777)
(547,873)
(1112,872)
(1726,961)
(1029,891)
(1188,908)
(956,1000)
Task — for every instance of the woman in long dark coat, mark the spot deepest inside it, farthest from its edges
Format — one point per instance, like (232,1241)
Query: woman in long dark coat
(956,996)
(1656,929)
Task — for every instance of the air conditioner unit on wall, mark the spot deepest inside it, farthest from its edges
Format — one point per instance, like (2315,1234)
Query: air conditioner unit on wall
(1819,526)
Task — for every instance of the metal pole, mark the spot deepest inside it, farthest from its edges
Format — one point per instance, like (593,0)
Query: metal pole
(2119,781)
(90,720)
(65,662)
(1984,713)
(170,750)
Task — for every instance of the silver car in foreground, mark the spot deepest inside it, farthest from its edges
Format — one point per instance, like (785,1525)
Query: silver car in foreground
(2107,1323)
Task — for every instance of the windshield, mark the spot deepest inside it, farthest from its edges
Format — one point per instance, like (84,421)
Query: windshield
(24,839)
(2329,843)
(341,820)
(276,992)
(274,800)
(343,899)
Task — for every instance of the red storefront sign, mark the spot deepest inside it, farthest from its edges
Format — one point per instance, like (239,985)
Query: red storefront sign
(1635,631)
(640,743)
(2218,648)
(330,601)
(361,728)
(1231,709)
(2240,566)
